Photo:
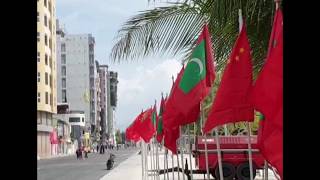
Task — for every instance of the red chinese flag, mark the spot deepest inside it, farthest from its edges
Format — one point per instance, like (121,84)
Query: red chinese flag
(132,131)
(146,128)
(170,113)
(232,101)
(170,139)
(132,135)
(195,83)
(268,98)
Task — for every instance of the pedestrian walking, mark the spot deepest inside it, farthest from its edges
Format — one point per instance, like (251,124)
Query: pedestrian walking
(97,148)
(86,149)
(101,149)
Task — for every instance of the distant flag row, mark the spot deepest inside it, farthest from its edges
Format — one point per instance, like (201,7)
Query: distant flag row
(235,100)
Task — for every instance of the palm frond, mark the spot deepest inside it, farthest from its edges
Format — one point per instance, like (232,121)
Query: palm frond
(172,30)
(160,31)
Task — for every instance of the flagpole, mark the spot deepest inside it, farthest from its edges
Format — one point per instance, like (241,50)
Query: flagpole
(172,166)
(181,152)
(205,143)
(146,160)
(277,4)
(157,159)
(219,153)
(167,164)
(190,148)
(248,124)
(250,150)
(164,163)
(178,166)
(266,175)
(153,160)
(141,147)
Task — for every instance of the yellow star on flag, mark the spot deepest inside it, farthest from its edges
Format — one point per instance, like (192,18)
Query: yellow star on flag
(241,50)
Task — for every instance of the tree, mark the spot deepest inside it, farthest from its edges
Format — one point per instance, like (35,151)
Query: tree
(172,30)
(118,137)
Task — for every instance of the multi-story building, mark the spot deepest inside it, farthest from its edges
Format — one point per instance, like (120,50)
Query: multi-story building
(98,106)
(61,64)
(46,74)
(77,72)
(103,76)
(112,104)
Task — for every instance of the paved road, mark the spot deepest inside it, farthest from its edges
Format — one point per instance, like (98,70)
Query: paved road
(69,168)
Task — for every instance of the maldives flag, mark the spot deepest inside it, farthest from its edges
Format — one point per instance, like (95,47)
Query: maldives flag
(268,98)
(160,121)
(196,80)
(145,127)
(154,116)
(232,101)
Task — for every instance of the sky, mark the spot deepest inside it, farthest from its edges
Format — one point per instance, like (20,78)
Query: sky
(141,82)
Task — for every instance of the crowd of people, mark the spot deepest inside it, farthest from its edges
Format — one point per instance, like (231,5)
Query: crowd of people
(100,148)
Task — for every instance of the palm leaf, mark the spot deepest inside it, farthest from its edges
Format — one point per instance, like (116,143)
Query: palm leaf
(172,30)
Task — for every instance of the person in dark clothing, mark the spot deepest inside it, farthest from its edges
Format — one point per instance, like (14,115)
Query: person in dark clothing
(97,148)
(86,152)
(101,149)
(79,153)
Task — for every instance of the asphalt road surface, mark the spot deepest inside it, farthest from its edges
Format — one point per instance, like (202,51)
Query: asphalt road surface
(70,168)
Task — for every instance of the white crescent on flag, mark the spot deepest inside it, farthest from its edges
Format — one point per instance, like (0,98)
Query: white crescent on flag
(198,61)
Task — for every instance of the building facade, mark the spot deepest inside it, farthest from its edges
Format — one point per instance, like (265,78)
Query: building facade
(98,104)
(112,104)
(46,75)
(77,72)
(103,78)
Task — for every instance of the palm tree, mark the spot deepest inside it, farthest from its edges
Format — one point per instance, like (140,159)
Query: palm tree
(171,31)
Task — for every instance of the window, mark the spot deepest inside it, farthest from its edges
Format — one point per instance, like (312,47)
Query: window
(82,119)
(63,71)
(38,117)
(51,99)
(39,97)
(46,59)
(46,40)
(50,62)
(46,78)
(64,96)
(38,19)
(38,36)
(50,82)
(63,47)
(63,59)
(49,6)
(38,57)
(50,43)
(63,83)
(38,76)
(45,3)
(46,97)
(45,20)
(74,119)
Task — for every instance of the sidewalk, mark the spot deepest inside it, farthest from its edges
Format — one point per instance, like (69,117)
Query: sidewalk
(54,156)
(131,169)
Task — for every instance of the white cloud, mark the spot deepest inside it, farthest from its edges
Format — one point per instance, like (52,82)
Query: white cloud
(140,89)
